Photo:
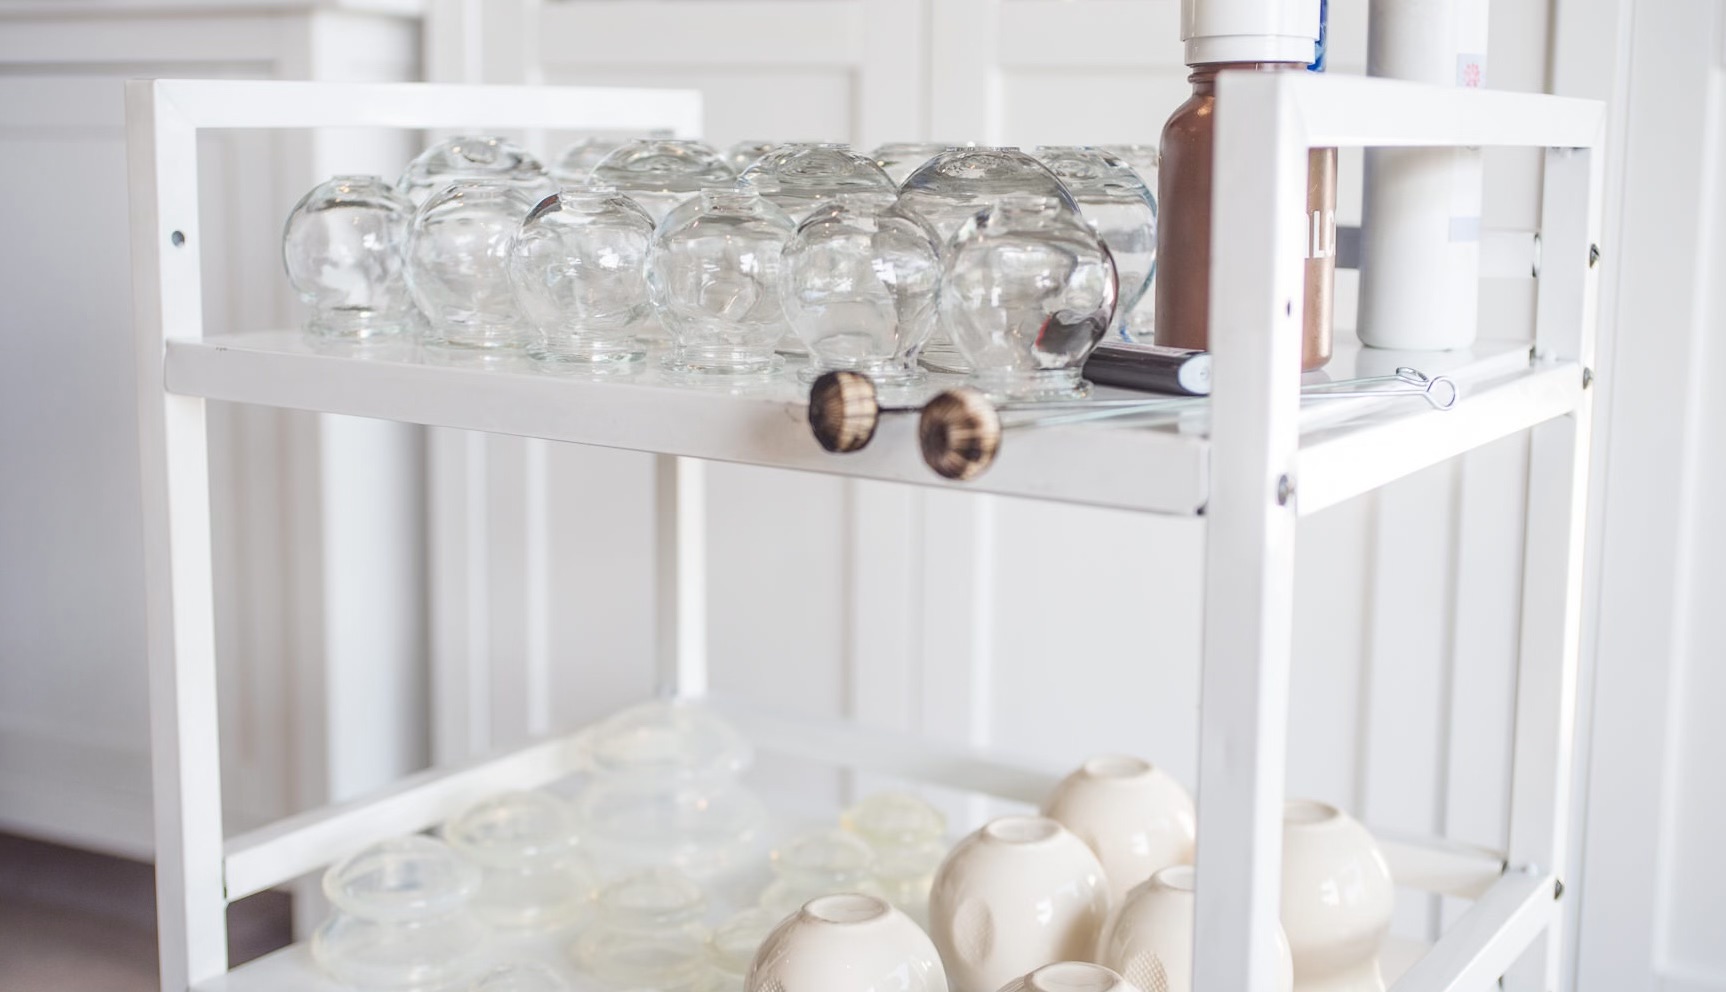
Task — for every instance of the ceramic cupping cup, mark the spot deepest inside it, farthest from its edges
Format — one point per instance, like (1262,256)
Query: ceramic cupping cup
(1337,899)
(1018,893)
(847,943)
(1150,940)
(1136,817)
(1071,976)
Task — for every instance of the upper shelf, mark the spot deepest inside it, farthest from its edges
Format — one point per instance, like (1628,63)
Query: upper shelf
(1348,446)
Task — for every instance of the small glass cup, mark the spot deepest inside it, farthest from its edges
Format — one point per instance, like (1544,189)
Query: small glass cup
(860,286)
(403,917)
(901,158)
(575,166)
(524,843)
(713,274)
(664,789)
(1027,290)
(342,247)
(458,263)
(662,173)
(743,154)
(800,177)
(1117,205)
(648,934)
(952,187)
(818,863)
(473,157)
(909,838)
(577,267)
(520,978)
(731,948)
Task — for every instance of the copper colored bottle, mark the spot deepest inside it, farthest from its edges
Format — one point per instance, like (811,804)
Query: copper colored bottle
(1184,224)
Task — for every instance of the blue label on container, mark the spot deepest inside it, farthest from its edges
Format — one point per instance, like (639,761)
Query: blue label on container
(1323,31)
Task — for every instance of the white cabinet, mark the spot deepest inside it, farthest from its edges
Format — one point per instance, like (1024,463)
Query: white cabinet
(74,728)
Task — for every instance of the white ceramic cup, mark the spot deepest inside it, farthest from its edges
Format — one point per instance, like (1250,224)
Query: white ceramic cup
(1019,893)
(1337,899)
(1150,941)
(1136,817)
(1070,976)
(846,943)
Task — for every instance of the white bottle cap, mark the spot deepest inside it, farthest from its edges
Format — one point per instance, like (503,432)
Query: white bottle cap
(1249,30)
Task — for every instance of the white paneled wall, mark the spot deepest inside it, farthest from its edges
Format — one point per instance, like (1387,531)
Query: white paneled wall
(1051,631)
(74,720)
(1656,796)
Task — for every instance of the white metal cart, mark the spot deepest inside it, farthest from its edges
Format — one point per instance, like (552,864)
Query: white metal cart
(1259,468)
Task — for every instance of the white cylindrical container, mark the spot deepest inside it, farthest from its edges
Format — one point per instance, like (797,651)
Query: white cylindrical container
(1420,215)
(1249,30)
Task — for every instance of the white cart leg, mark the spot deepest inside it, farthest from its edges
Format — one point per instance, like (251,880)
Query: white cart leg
(191,903)
(1552,554)
(680,494)
(1255,332)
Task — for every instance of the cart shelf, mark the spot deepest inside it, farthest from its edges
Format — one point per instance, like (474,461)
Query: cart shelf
(300,844)
(1349,446)
(1247,466)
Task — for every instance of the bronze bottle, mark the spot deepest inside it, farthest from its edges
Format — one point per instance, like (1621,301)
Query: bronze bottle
(1184,224)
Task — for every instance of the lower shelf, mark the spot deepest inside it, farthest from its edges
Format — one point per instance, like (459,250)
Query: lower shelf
(1509,911)
(292,969)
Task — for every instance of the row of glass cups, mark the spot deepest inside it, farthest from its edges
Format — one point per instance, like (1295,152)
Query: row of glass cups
(990,243)
(618,875)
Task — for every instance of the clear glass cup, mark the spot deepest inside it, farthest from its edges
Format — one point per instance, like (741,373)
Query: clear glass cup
(802,176)
(663,788)
(534,875)
(1144,160)
(665,740)
(699,826)
(473,157)
(1027,290)
(575,166)
(458,263)
(648,933)
(342,247)
(901,158)
(732,946)
(520,978)
(661,173)
(743,154)
(713,274)
(1123,212)
(860,285)
(909,838)
(403,917)
(952,187)
(818,863)
(577,266)
(1140,323)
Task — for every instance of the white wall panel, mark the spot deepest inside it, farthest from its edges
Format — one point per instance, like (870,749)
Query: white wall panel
(73,709)
(1691,913)
(942,613)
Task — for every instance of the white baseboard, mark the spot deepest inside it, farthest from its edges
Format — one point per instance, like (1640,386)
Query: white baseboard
(1691,982)
(57,788)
